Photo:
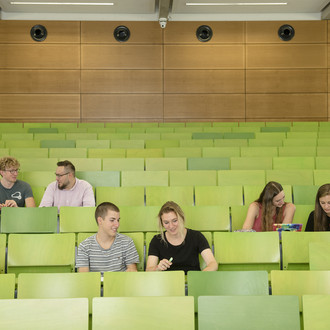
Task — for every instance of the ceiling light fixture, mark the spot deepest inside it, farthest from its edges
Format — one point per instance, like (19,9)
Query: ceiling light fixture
(236,3)
(63,3)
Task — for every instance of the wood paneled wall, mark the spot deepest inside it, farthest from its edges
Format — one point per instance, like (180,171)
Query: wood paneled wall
(245,72)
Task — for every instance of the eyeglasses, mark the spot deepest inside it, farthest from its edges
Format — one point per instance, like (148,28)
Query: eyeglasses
(13,171)
(60,175)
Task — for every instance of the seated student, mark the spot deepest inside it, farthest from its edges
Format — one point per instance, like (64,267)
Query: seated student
(13,192)
(107,250)
(67,190)
(268,209)
(319,219)
(178,248)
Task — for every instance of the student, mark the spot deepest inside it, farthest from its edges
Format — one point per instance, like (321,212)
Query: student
(13,192)
(177,247)
(107,250)
(268,209)
(319,219)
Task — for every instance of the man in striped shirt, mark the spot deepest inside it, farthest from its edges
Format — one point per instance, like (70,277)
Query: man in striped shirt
(107,250)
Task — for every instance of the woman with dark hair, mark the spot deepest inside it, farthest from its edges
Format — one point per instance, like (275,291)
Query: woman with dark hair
(319,219)
(177,247)
(268,209)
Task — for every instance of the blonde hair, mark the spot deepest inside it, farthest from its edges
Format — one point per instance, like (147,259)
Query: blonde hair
(7,162)
(168,207)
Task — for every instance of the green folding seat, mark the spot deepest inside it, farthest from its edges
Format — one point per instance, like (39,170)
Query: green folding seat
(207,218)
(274,129)
(259,151)
(130,130)
(38,164)
(251,163)
(106,153)
(259,142)
(221,152)
(279,136)
(305,124)
(112,311)
(157,196)
(189,130)
(183,152)
(68,153)
(193,178)
(100,178)
(322,163)
(295,163)
(144,125)
(41,253)
(40,178)
(11,125)
(216,129)
(65,125)
(16,136)
(322,151)
(113,136)
(302,213)
(319,256)
(123,164)
(3,244)
(116,125)
(121,196)
(57,144)
(303,151)
(7,286)
(156,144)
(241,177)
(159,129)
(144,178)
(311,142)
(231,252)
(204,163)
(238,216)
(291,177)
(231,143)
(72,130)
(304,194)
(219,195)
(302,134)
(87,164)
(198,124)
(96,144)
(316,311)
(166,164)
(29,220)
(321,177)
(38,193)
(252,124)
(196,143)
(100,130)
(144,136)
(238,135)
(144,153)
(2,144)
(28,152)
(207,135)
(49,130)
(175,136)
(49,136)
(255,312)
(244,130)
(22,144)
(127,144)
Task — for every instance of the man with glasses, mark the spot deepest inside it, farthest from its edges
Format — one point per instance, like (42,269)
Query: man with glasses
(67,190)
(13,192)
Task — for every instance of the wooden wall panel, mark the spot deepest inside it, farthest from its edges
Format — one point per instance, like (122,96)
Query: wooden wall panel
(305,32)
(102,32)
(204,106)
(286,56)
(121,57)
(125,107)
(57,32)
(204,57)
(121,81)
(289,106)
(40,81)
(286,81)
(185,32)
(39,56)
(39,107)
(204,81)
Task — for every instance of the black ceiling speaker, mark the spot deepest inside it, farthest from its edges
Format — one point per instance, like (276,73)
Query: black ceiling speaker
(286,32)
(204,33)
(121,33)
(38,33)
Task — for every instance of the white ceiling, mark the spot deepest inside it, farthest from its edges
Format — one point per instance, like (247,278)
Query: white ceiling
(148,10)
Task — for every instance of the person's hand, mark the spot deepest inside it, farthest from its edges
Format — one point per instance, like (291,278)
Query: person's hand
(164,264)
(10,203)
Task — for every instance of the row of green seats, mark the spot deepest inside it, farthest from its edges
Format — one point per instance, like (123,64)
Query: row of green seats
(187,177)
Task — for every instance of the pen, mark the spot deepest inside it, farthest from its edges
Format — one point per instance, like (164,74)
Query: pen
(171,259)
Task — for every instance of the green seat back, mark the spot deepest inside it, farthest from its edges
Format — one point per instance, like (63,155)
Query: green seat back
(22,144)
(166,164)
(38,164)
(29,220)
(241,177)
(238,216)
(157,196)
(302,213)
(304,195)
(40,178)
(29,153)
(57,143)
(68,153)
(319,256)
(193,178)
(208,163)
(93,144)
(316,312)
(321,176)
(87,164)
(144,178)
(3,244)
(291,177)
(251,163)
(144,153)
(295,163)
(259,151)
(221,152)
(130,196)
(183,152)
(106,153)
(100,178)
(7,286)
(303,151)
(123,164)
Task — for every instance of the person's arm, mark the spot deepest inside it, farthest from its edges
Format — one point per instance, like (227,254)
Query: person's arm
(48,197)
(211,263)
(10,203)
(252,213)
(29,202)
(289,211)
(82,260)
(153,265)
(131,268)
(83,269)
(88,198)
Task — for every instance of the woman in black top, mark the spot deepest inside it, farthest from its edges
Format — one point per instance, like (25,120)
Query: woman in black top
(319,219)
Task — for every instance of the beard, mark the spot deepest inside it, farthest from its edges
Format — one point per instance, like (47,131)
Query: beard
(63,186)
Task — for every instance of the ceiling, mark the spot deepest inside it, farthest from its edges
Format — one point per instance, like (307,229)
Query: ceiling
(146,10)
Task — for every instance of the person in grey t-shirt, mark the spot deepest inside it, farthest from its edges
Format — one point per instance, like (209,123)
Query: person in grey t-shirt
(13,192)
(107,250)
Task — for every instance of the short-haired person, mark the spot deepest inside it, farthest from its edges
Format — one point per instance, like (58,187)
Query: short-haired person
(13,192)
(67,190)
(177,247)
(268,209)
(319,219)
(107,250)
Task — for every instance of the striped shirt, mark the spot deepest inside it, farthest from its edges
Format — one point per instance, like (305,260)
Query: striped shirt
(121,253)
